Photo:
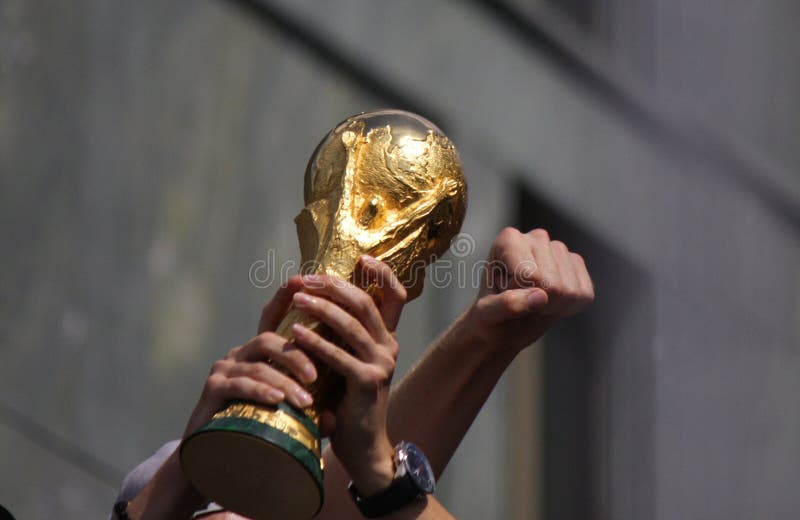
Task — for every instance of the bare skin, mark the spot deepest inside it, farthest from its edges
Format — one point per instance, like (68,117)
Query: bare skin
(545,283)
(540,282)
(357,430)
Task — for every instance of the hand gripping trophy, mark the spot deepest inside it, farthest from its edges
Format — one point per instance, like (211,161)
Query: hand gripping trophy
(388,184)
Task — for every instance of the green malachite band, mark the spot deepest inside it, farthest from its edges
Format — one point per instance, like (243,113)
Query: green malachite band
(300,416)
(269,434)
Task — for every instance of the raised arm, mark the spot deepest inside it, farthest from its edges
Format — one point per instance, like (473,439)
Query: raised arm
(531,282)
(357,429)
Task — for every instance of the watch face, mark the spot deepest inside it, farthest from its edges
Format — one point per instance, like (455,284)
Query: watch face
(419,468)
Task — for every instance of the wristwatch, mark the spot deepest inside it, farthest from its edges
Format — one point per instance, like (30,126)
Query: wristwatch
(413,478)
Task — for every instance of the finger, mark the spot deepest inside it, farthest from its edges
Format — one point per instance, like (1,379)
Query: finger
(512,303)
(394,293)
(345,325)
(327,352)
(276,308)
(585,281)
(356,300)
(569,289)
(268,376)
(273,348)
(224,389)
(513,253)
(546,275)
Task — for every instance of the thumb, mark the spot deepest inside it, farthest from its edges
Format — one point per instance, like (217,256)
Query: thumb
(510,304)
(276,308)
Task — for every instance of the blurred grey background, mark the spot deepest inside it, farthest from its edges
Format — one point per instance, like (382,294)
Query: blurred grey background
(151,152)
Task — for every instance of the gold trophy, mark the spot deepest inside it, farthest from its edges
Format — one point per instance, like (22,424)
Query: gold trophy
(386,183)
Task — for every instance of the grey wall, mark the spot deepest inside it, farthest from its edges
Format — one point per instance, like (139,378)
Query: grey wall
(151,152)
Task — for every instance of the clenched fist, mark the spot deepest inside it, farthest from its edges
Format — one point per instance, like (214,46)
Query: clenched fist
(530,283)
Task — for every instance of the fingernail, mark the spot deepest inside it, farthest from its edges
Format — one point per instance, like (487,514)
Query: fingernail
(309,373)
(312,278)
(274,395)
(299,330)
(302,299)
(303,397)
(537,298)
(368,259)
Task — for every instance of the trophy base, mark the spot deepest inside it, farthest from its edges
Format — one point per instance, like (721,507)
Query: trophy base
(253,469)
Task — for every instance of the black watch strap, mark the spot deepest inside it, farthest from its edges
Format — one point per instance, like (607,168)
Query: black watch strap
(402,492)
(121,510)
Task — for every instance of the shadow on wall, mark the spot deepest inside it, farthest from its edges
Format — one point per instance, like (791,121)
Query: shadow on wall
(596,420)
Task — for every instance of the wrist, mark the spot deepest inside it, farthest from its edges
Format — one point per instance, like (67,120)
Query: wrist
(168,494)
(413,480)
(375,471)
(498,342)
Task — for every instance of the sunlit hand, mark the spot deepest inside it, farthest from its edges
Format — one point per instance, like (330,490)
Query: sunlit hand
(357,429)
(250,372)
(531,282)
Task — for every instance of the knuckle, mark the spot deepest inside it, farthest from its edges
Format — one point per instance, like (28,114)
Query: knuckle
(388,363)
(507,234)
(261,342)
(540,234)
(482,305)
(267,340)
(572,293)
(237,385)
(214,384)
(514,303)
(509,300)
(372,379)
(393,347)
(219,366)
(364,302)
(558,244)
(577,259)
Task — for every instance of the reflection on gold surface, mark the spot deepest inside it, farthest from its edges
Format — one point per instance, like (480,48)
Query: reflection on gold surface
(393,191)
(389,184)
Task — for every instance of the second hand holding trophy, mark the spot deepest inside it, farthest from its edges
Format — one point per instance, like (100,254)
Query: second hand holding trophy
(388,184)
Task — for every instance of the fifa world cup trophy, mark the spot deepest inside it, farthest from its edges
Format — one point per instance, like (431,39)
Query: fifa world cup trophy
(388,184)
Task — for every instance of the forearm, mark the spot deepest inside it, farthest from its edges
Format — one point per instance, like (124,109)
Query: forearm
(447,386)
(449,400)
(167,495)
